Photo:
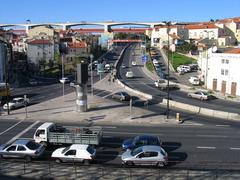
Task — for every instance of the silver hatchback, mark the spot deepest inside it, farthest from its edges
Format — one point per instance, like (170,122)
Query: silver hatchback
(146,155)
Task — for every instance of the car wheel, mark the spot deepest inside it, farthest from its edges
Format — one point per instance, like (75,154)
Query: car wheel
(58,160)
(28,158)
(86,162)
(160,164)
(12,107)
(129,163)
(1,156)
(201,98)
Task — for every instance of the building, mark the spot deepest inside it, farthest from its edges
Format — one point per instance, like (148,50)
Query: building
(159,35)
(220,70)
(231,27)
(40,49)
(3,56)
(204,30)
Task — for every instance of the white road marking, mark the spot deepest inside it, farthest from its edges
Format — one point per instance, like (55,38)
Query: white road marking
(211,136)
(222,125)
(192,124)
(100,93)
(21,133)
(11,127)
(109,127)
(233,148)
(206,147)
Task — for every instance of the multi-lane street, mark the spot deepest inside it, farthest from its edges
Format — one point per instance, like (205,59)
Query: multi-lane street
(188,146)
(146,85)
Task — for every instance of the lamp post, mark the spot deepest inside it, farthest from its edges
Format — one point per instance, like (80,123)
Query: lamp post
(91,58)
(63,81)
(167,113)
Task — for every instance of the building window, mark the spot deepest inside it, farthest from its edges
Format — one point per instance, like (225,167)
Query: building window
(222,71)
(226,72)
(223,60)
(227,61)
(38,54)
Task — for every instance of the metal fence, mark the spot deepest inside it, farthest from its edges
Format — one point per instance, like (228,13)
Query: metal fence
(52,170)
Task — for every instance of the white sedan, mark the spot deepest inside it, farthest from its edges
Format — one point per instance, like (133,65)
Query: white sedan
(17,103)
(64,80)
(75,153)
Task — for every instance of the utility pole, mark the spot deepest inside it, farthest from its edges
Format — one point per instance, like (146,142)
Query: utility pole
(168,30)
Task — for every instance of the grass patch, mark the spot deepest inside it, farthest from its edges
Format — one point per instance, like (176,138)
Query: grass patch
(52,72)
(178,59)
(150,66)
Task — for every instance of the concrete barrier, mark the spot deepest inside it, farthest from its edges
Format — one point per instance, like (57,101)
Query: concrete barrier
(202,111)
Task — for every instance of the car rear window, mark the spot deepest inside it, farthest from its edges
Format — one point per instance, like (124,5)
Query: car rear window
(32,145)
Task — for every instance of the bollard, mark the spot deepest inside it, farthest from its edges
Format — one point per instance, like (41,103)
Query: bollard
(178,117)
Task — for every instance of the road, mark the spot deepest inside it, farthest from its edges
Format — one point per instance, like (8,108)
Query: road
(146,85)
(188,146)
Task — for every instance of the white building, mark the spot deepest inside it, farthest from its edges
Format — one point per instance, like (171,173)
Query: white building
(159,35)
(202,31)
(40,49)
(220,71)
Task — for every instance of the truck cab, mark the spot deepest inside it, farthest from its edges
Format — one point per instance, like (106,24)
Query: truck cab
(41,134)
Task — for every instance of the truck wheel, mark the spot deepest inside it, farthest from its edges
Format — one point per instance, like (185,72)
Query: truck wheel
(28,158)
(160,164)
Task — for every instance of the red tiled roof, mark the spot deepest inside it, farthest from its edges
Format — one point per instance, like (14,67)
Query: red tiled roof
(201,26)
(40,41)
(77,45)
(233,51)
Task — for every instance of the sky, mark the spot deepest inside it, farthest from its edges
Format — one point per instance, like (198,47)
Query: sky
(44,11)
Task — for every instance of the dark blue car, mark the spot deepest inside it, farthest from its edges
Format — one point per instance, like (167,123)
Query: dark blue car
(141,141)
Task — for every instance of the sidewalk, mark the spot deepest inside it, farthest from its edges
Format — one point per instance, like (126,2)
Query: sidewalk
(100,110)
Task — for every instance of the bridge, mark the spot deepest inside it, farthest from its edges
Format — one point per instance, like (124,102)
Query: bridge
(107,26)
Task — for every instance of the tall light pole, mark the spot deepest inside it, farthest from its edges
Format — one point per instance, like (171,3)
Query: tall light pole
(63,82)
(91,58)
(167,113)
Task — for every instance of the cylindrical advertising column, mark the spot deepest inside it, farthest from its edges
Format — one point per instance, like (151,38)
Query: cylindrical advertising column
(81,102)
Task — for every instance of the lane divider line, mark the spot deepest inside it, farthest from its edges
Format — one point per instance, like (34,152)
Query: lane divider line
(23,132)
(233,148)
(206,147)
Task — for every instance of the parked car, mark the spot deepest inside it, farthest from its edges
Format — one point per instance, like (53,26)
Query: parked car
(22,148)
(64,80)
(129,74)
(145,155)
(75,153)
(194,80)
(183,68)
(199,95)
(122,96)
(17,103)
(72,83)
(141,141)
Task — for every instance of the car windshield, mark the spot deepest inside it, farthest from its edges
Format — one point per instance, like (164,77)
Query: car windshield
(32,145)
(65,149)
(204,93)
(136,151)
(90,149)
(124,93)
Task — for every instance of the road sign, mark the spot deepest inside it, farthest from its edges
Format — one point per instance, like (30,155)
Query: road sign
(144,58)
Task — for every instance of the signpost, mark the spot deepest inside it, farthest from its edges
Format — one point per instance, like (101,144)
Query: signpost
(144,58)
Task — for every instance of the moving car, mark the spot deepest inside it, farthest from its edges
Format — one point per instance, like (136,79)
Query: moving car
(33,82)
(124,66)
(183,68)
(199,95)
(134,63)
(122,96)
(22,148)
(163,85)
(194,80)
(16,103)
(141,141)
(145,155)
(75,153)
(129,74)
(64,80)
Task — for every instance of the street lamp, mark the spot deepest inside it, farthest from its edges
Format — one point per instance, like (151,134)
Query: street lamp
(91,58)
(168,30)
